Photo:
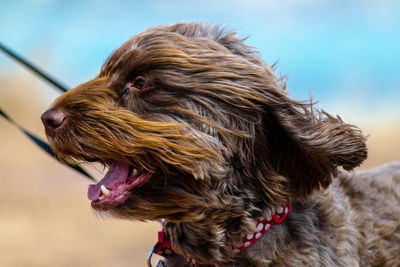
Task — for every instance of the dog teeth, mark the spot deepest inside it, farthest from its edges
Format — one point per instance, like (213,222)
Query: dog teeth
(100,197)
(133,171)
(104,190)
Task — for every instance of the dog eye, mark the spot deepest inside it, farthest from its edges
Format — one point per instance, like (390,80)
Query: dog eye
(139,83)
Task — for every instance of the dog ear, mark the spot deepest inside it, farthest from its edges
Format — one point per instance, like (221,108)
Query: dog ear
(305,146)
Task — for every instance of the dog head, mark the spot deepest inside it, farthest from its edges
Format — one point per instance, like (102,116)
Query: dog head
(190,119)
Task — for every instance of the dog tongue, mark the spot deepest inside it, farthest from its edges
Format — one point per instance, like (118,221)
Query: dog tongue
(116,174)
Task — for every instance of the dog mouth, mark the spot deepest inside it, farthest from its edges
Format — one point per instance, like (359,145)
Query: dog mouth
(115,188)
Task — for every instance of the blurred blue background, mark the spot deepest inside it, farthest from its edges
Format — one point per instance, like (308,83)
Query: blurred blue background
(347,53)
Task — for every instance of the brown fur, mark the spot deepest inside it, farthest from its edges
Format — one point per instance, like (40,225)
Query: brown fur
(215,125)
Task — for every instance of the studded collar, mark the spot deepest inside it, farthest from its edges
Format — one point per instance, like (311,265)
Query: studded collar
(163,247)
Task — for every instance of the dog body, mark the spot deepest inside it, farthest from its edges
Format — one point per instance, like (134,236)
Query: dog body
(354,222)
(198,130)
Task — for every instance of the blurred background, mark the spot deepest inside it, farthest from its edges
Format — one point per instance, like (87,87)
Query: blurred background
(345,53)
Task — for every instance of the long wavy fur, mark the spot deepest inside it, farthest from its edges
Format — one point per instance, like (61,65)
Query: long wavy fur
(225,142)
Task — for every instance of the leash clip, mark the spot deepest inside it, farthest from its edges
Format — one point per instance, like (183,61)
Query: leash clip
(159,263)
(162,248)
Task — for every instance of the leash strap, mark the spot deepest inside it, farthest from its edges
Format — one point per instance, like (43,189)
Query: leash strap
(43,145)
(33,68)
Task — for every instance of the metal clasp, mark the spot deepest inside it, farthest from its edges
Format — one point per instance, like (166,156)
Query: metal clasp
(159,263)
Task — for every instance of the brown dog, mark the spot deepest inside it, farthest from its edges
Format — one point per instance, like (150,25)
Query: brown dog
(197,130)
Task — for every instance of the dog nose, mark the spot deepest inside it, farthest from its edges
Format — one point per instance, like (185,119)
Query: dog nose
(52,120)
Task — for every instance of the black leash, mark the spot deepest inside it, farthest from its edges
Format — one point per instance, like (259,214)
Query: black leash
(42,144)
(33,68)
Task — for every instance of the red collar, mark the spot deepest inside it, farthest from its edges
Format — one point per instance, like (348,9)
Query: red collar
(164,247)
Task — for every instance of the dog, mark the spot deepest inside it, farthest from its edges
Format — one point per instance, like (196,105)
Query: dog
(198,131)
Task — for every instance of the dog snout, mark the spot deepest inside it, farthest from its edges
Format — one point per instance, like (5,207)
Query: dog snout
(53,120)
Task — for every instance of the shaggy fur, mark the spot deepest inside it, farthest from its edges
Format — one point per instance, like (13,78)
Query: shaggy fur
(197,108)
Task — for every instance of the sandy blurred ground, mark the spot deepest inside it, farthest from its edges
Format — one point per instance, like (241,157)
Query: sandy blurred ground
(45,217)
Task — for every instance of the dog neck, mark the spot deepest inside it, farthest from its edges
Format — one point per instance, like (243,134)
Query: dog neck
(262,224)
